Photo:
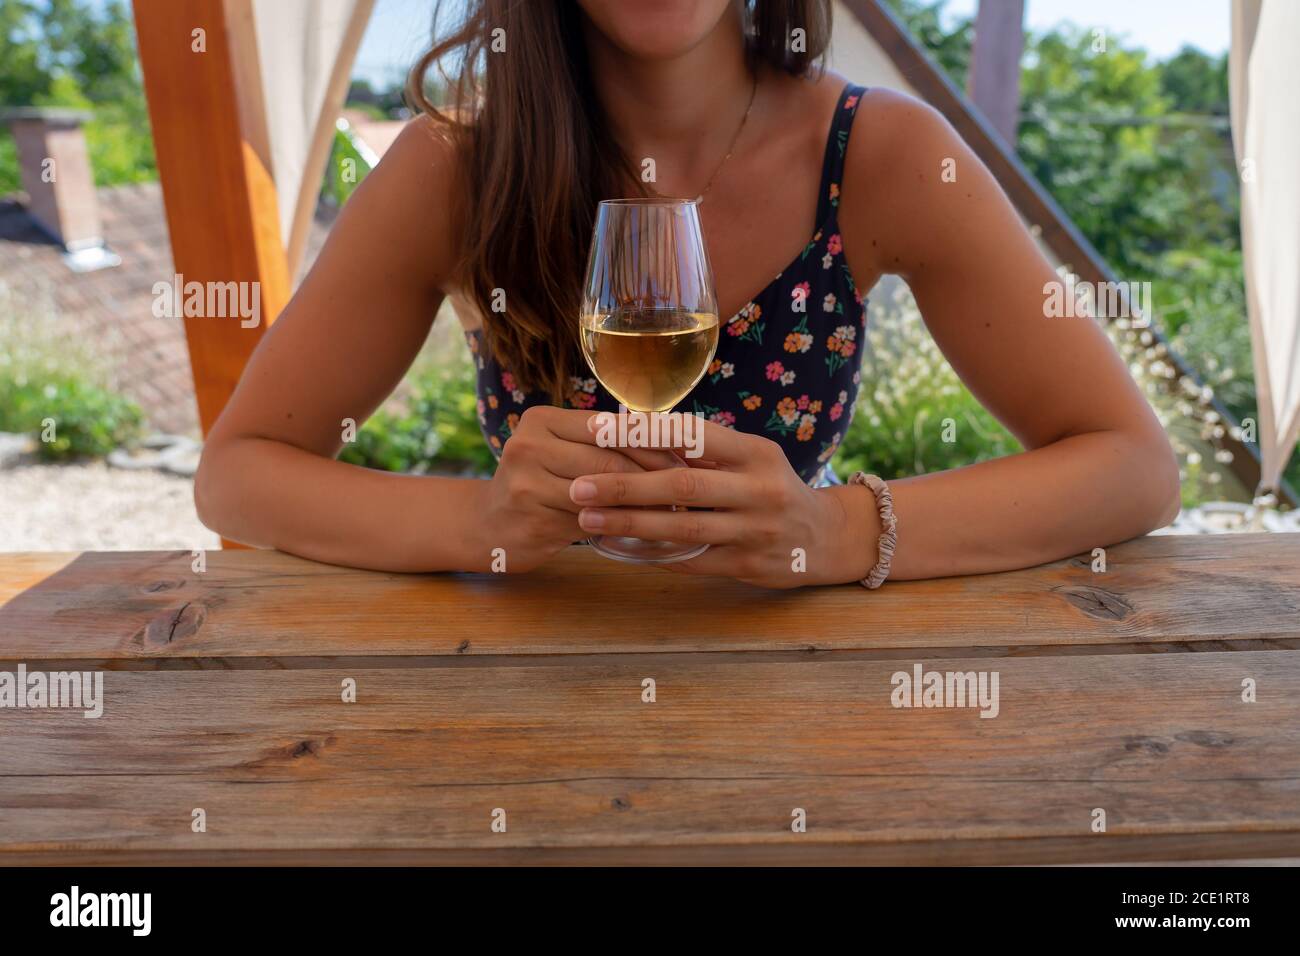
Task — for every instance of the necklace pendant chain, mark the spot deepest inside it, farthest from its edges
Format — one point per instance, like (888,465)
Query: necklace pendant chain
(753,91)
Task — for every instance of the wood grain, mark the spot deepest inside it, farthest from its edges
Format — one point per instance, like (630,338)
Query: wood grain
(712,769)
(479,691)
(270,609)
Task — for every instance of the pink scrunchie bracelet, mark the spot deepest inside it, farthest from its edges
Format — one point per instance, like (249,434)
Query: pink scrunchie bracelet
(888,528)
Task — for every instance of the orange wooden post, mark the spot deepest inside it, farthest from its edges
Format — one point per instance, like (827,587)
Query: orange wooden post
(201,78)
(222,213)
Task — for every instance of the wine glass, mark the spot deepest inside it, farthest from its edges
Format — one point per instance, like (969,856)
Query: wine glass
(649,323)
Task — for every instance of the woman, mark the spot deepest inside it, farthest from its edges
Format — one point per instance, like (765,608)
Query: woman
(493,208)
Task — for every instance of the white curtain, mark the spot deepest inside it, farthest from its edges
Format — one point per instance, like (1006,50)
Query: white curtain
(1264,68)
(305,51)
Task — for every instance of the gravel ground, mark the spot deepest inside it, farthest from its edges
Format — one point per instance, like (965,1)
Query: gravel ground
(91,506)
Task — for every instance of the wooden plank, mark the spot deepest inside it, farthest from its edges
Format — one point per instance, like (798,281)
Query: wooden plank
(269,609)
(713,768)
(1056,230)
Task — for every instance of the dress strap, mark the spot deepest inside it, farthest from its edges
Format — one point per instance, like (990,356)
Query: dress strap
(837,144)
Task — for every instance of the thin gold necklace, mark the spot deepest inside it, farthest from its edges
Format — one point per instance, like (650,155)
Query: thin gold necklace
(753,91)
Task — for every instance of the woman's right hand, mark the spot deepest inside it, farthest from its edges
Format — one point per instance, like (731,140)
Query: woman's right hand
(527,512)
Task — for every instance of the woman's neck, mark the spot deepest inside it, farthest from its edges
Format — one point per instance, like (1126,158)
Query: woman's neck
(683,112)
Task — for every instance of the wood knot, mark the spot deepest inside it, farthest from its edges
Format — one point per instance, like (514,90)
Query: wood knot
(1206,738)
(306,748)
(620,803)
(280,755)
(155,587)
(462,647)
(172,625)
(1151,745)
(1096,602)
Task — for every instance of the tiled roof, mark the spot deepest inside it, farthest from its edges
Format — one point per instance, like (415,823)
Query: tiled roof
(111,310)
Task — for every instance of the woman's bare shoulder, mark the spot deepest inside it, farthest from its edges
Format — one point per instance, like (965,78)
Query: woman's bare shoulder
(406,203)
(902,160)
(892,125)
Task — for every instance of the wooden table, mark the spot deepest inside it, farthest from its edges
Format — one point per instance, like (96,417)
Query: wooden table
(1119,691)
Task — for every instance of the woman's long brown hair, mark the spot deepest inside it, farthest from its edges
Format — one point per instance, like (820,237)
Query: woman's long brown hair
(535,157)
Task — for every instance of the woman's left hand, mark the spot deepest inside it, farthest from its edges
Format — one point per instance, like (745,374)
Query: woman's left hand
(766,526)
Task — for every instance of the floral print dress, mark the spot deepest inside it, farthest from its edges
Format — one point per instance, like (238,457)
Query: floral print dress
(787,364)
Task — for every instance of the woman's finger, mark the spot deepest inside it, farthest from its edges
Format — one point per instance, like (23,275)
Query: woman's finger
(712,441)
(652,459)
(681,527)
(552,493)
(569,460)
(700,488)
(567,423)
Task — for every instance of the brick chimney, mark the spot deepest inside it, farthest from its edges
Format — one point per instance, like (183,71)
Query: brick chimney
(59,182)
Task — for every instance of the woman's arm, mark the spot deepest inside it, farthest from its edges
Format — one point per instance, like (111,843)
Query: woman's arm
(1098,467)
(268,475)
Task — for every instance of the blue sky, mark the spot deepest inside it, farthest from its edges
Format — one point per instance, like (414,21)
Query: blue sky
(397,35)
(400,28)
(1163,27)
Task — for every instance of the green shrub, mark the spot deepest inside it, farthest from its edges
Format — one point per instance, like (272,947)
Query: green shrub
(86,420)
(10,177)
(391,441)
(345,170)
(47,374)
(433,428)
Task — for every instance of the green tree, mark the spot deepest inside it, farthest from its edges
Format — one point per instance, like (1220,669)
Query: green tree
(1196,83)
(1137,153)
(21,74)
(75,53)
(949,45)
(1139,156)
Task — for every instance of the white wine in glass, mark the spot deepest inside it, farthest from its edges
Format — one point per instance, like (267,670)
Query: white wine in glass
(650,359)
(649,323)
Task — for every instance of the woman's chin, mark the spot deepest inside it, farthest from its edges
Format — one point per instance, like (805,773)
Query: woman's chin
(655,29)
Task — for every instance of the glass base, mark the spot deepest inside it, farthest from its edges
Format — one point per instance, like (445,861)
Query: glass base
(638,551)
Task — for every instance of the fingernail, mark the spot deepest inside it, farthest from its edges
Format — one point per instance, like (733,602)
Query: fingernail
(582,489)
(596,421)
(591,520)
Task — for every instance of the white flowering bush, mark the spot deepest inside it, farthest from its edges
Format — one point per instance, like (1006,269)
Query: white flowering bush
(1186,410)
(913,415)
